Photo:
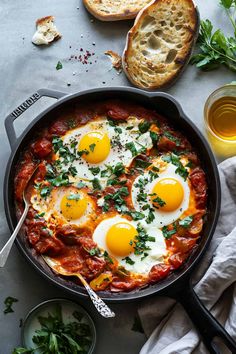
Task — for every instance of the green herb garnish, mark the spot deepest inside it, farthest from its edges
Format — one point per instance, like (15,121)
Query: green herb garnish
(95,170)
(128,260)
(96,184)
(73,197)
(56,337)
(8,302)
(59,65)
(92,147)
(186,221)
(94,252)
(216,48)
(168,233)
(144,126)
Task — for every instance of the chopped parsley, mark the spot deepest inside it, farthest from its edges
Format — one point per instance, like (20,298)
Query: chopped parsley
(38,216)
(142,163)
(159,201)
(154,136)
(173,138)
(96,184)
(8,302)
(83,152)
(107,257)
(94,252)
(95,170)
(136,215)
(144,126)
(150,217)
(140,241)
(92,147)
(45,191)
(130,146)
(73,197)
(81,185)
(186,221)
(59,65)
(118,130)
(174,159)
(168,233)
(128,260)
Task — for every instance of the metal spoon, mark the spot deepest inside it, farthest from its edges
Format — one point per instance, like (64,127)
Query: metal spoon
(100,305)
(4,253)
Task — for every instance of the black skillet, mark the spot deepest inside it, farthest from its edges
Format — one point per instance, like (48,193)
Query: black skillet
(177,285)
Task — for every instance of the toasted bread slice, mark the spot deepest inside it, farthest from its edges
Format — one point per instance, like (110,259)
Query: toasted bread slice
(46,31)
(115,10)
(159,44)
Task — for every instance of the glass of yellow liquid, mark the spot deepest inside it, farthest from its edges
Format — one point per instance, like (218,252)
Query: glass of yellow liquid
(220,120)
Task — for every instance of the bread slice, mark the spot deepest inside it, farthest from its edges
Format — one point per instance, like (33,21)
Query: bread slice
(115,10)
(160,43)
(46,31)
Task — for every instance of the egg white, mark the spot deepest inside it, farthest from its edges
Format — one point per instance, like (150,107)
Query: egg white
(142,266)
(161,218)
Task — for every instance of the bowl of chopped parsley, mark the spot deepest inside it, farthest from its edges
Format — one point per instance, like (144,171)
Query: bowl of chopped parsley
(57,326)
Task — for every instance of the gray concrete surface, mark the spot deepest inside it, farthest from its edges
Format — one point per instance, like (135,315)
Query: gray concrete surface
(23,69)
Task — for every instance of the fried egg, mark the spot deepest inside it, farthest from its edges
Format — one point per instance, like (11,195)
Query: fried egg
(117,236)
(99,144)
(168,195)
(65,205)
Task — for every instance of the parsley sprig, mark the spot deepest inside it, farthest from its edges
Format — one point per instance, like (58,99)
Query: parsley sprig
(216,48)
(57,337)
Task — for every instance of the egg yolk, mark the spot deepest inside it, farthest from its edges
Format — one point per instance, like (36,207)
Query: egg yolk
(73,206)
(95,146)
(170,191)
(120,237)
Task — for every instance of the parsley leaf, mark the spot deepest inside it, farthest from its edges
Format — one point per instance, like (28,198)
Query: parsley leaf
(96,184)
(73,196)
(8,302)
(159,201)
(154,136)
(130,146)
(107,257)
(186,221)
(181,170)
(215,47)
(92,147)
(59,65)
(55,336)
(168,233)
(144,126)
(172,138)
(95,170)
(94,252)
(80,185)
(128,260)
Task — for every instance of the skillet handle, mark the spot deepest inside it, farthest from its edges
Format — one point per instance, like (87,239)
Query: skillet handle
(9,121)
(208,327)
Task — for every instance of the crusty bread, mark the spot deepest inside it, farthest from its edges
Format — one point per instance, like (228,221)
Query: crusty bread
(46,31)
(115,10)
(159,44)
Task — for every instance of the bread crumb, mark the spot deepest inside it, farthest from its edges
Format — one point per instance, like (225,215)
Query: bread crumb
(46,31)
(115,59)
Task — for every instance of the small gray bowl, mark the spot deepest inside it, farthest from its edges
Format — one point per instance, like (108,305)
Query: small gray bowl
(31,323)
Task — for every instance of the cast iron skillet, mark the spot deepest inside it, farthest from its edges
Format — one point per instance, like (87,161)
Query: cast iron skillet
(177,285)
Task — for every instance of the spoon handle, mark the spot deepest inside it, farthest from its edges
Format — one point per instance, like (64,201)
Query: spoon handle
(100,305)
(6,249)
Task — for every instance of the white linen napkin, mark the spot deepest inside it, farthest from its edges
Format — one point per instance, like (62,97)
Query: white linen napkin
(165,322)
